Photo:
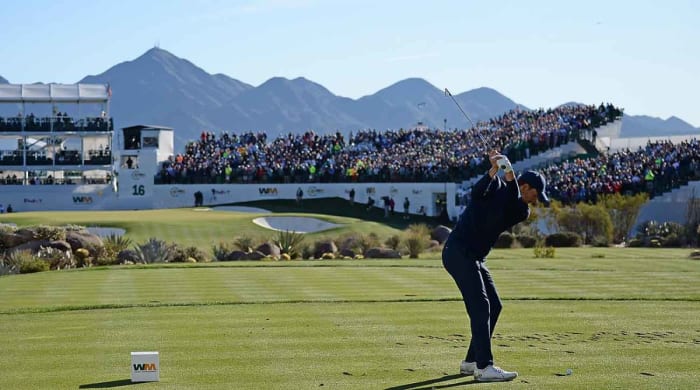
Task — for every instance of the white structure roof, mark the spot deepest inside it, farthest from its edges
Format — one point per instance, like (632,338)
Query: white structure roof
(46,93)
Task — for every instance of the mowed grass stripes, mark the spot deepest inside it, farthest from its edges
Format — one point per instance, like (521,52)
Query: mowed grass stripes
(336,282)
(388,345)
(626,318)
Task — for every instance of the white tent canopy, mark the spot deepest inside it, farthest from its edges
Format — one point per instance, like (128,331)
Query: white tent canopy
(59,93)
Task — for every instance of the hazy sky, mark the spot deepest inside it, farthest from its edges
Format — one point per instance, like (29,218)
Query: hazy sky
(641,55)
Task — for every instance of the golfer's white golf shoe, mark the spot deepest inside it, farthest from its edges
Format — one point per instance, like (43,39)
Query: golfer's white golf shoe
(494,374)
(467,368)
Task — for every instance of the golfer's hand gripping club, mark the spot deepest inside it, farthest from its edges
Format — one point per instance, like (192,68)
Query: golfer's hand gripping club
(504,164)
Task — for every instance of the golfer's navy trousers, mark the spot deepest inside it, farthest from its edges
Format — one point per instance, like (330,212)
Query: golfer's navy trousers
(480,298)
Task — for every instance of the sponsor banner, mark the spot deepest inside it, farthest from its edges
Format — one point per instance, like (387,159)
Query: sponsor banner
(315,191)
(268,191)
(33,200)
(82,199)
(176,192)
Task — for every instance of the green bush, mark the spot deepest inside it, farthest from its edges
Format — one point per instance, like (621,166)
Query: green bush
(33,265)
(526,241)
(505,240)
(563,240)
(544,252)
(600,242)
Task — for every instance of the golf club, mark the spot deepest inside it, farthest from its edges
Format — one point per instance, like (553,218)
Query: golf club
(483,141)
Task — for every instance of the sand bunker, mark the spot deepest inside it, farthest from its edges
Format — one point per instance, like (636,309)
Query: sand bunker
(294,224)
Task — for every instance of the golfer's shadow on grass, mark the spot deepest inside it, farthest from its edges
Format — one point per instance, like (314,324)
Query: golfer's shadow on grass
(107,385)
(430,383)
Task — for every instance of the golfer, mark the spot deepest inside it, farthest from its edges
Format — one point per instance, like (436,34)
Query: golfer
(495,206)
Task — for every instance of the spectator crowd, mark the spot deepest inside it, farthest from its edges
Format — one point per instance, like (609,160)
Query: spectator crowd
(656,168)
(415,155)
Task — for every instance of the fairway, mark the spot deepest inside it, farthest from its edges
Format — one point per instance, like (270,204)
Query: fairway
(619,318)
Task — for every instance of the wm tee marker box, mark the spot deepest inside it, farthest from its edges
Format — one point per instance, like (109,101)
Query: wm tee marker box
(145,367)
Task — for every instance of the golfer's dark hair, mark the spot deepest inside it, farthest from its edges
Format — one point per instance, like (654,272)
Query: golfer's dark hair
(521,182)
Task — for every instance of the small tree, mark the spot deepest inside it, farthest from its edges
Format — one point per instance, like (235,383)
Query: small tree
(623,211)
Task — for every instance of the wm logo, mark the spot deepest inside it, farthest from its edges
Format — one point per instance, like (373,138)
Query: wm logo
(145,367)
(82,199)
(268,191)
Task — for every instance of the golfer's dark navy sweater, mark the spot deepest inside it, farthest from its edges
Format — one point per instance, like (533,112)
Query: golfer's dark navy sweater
(494,207)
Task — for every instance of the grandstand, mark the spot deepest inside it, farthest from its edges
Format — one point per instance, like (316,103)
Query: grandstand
(42,144)
(60,152)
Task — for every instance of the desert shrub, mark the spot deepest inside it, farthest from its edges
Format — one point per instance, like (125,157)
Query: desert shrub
(672,241)
(49,233)
(419,228)
(505,240)
(526,241)
(600,242)
(563,240)
(358,242)
(112,245)
(307,251)
(188,254)
(246,243)
(6,269)
(116,242)
(154,251)
(25,263)
(667,234)
(56,258)
(544,252)
(368,241)
(415,243)
(289,243)
(635,243)
(7,228)
(221,250)
(393,242)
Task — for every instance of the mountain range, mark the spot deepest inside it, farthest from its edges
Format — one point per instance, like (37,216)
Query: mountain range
(161,88)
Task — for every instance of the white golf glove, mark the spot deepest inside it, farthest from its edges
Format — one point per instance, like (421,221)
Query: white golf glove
(504,164)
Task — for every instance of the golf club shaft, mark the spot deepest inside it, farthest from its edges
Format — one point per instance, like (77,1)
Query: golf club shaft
(483,142)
